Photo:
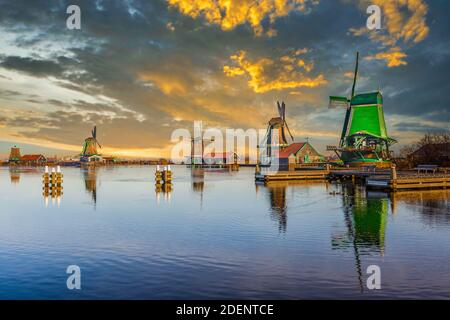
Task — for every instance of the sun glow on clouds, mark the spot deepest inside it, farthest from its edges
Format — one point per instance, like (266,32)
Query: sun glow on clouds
(266,74)
(393,57)
(230,13)
(405,24)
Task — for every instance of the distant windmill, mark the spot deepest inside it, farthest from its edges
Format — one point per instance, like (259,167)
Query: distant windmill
(279,125)
(90,144)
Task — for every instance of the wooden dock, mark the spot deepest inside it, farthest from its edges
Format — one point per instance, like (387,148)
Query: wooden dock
(409,182)
(292,175)
(385,179)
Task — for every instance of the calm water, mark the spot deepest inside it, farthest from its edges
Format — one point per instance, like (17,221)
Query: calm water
(217,235)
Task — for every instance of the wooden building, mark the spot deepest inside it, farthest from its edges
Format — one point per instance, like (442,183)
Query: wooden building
(432,153)
(33,159)
(299,153)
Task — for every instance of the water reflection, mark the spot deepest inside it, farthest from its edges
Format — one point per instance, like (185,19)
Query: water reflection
(365,217)
(14,174)
(432,205)
(198,182)
(277,191)
(277,196)
(90,181)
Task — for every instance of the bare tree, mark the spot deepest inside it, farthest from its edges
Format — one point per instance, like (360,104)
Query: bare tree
(432,148)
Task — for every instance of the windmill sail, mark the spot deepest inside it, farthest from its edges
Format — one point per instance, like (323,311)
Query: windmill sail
(338,102)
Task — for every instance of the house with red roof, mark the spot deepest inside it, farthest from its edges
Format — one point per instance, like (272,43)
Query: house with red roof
(299,153)
(33,159)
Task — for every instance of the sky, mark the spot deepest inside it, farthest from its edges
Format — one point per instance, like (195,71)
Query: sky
(138,70)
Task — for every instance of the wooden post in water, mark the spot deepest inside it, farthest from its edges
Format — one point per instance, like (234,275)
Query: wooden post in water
(46,178)
(393,176)
(52,184)
(163,179)
(158,175)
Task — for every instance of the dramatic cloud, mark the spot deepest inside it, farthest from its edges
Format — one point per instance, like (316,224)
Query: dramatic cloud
(230,13)
(405,25)
(393,57)
(140,69)
(287,72)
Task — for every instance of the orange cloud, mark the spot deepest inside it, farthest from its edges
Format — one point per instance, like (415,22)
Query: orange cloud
(405,19)
(230,13)
(394,57)
(287,72)
(405,23)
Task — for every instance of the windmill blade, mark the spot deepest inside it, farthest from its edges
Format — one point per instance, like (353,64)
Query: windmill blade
(338,102)
(283,110)
(289,131)
(279,109)
(355,75)
(96,141)
(94,132)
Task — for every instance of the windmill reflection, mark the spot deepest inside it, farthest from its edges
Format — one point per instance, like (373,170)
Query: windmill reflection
(14,174)
(90,181)
(277,197)
(198,182)
(365,216)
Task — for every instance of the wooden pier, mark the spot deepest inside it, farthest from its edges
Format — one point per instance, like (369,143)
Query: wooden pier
(385,179)
(409,182)
(292,175)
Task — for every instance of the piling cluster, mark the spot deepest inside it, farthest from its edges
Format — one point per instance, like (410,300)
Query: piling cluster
(163,179)
(52,184)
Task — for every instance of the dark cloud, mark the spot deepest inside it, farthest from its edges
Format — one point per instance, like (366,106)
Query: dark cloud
(32,66)
(418,127)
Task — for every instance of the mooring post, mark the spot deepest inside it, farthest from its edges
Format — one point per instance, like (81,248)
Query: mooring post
(158,175)
(167,175)
(46,178)
(393,176)
(59,176)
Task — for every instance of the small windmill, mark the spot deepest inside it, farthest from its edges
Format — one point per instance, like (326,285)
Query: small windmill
(90,144)
(276,131)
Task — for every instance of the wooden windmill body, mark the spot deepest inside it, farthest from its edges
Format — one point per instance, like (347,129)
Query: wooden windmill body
(275,138)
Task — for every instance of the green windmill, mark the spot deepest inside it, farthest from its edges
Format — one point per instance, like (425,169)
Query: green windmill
(364,138)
